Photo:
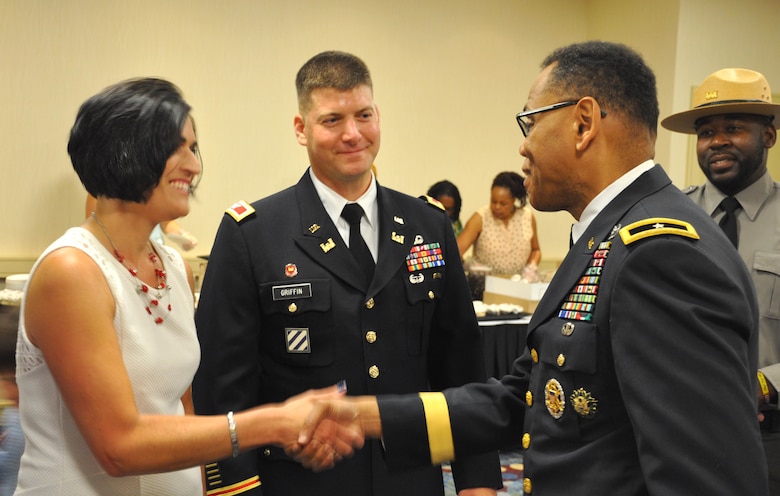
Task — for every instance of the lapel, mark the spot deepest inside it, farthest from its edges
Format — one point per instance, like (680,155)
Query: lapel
(318,237)
(395,239)
(603,226)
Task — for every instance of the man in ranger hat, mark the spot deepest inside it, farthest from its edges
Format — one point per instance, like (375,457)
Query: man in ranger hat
(733,118)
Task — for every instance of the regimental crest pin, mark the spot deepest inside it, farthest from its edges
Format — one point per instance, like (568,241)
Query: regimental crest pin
(290,270)
(418,239)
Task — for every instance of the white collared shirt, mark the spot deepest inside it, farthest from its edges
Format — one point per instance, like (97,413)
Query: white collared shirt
(334,204)
(608,194)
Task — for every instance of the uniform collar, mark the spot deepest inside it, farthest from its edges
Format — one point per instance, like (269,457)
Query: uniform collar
(751,198)
(334,203)
(608,194)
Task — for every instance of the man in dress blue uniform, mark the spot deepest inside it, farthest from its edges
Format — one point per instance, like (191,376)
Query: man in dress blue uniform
(286,305)
(639,376)
(733,118)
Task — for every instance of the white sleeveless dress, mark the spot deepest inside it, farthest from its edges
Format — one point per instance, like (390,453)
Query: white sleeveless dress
(160,359)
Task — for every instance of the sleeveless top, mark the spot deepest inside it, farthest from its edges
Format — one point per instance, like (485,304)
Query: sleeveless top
(161,360)
(504,248)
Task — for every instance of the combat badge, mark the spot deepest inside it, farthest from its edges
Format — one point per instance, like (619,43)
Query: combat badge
(584,403)
(554,398)
(240,210)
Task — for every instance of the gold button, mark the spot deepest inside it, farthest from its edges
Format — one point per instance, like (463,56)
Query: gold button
(529,398)
(561,360)
(371,336)
(370,303)
(526,440)
(567,329)
(534,355)
(292,308)
(431,295)
(527,485)
(373,371)
(267,452)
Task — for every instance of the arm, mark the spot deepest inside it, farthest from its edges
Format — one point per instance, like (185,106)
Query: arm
(536,253)
(455,357)
(79,344)
(181,237)
(228,322)
(691,345)
(470,233)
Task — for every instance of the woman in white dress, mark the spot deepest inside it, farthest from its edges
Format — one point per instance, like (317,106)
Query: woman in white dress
(107,345)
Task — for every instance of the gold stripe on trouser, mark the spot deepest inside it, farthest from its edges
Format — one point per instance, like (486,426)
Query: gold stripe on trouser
(237,488)
(437,420)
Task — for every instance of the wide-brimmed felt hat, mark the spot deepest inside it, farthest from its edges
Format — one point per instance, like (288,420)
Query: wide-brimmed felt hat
(727,91)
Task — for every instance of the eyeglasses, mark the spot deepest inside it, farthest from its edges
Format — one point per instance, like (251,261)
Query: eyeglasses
(525,125)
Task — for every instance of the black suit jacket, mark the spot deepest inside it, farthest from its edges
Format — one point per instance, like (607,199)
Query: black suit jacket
(653,394)
(283,309)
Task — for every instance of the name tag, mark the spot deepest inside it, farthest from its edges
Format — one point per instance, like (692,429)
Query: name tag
(291,291)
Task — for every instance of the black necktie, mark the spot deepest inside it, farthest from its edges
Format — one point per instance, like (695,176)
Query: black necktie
(728,222)
(352,213)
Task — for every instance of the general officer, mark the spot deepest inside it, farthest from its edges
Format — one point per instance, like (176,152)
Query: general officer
(733,119)
(640,372)
(287,306)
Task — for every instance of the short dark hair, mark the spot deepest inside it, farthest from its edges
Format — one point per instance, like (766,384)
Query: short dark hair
(332,69)
(124,135)
(514,183)
(612,73)
(446,188)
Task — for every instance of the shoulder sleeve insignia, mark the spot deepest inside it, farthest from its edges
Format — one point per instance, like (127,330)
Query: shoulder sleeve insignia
(432,201)
(656,226)
(240,210)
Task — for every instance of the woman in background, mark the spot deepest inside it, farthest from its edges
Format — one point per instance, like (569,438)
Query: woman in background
(107,347)
(503,233)
(448,195)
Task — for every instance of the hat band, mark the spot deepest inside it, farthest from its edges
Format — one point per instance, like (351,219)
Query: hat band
(728,102)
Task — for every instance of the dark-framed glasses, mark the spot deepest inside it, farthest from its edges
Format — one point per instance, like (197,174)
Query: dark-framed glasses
(526,125)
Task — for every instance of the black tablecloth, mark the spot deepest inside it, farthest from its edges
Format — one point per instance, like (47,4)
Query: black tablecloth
(503,340)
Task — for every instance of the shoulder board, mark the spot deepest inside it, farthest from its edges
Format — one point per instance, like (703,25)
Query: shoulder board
(240,210)
(432,201)
(690,189)
(654,227)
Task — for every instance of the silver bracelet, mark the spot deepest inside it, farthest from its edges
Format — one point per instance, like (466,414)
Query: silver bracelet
(233,434)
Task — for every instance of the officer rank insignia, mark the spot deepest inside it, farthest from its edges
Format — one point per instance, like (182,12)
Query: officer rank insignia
(240,210)
(424,257)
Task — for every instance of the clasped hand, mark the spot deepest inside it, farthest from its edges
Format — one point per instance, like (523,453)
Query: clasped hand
(330,432)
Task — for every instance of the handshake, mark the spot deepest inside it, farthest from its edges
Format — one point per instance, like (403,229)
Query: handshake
(330,426)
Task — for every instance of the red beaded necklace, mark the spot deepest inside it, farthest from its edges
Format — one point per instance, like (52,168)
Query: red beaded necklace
(153,306)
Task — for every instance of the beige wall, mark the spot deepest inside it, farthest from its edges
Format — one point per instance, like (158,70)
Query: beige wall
(449,76)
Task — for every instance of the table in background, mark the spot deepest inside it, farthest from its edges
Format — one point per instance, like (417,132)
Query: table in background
(503,340)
